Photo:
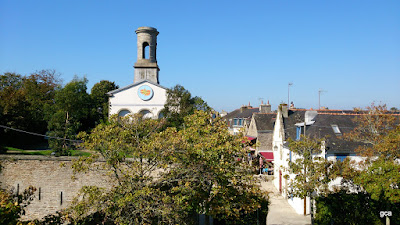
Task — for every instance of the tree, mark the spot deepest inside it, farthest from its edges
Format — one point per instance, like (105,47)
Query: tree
(23,99)
(378,174)
(69,115)
(12,205)
(99,100)
(180,103)
(310,170)
(164,176)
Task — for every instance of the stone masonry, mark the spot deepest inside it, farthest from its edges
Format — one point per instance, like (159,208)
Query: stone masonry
(52,175)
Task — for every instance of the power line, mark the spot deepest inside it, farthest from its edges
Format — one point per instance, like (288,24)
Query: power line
(41,135)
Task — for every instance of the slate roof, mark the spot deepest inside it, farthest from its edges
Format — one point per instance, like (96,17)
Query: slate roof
(247,113)
(334,142)
(264,121)
(322,128)
(294,116)
(265,125)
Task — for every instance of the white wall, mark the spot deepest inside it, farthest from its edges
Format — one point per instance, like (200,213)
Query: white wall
(128,99)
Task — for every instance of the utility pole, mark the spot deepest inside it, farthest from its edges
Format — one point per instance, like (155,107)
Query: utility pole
(288,93)
(319,97)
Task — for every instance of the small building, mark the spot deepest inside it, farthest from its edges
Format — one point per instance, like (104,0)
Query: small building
(239,119)
(261,129)
(145,95)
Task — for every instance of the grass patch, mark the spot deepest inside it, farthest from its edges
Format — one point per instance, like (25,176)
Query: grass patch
(43,152)
(13,149)
(80,153)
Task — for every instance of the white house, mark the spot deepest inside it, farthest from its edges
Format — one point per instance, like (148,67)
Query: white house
(145,95)
(328,124)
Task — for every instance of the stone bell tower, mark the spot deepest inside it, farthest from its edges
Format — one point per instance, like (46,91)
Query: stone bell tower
(146,67)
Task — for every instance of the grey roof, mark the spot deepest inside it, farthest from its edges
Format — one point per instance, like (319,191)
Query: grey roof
(322,128)
(247,113)
(335,143)
(264,121)
(133,85)
(294,116)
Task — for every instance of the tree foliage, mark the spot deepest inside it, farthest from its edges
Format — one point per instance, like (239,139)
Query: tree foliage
(165,176)
(353,208)
(180,103)
(12,205)
(310,170)
(23,100)
(99,100)
(379,173)
(69,114)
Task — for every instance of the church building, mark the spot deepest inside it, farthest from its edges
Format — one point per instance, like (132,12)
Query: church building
(145,95)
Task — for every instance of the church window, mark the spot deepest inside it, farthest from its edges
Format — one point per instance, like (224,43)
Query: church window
(146,50)
(146,114)
(123,113)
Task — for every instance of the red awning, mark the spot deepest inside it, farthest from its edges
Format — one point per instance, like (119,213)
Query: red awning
(250,138)
(269,156)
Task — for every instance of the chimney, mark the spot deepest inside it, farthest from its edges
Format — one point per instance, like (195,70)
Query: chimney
(284,109)
(265,108)
(243,108)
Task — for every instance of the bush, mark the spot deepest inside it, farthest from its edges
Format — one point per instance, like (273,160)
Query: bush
(355,208)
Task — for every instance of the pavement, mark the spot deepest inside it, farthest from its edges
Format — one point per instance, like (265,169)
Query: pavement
(279,210)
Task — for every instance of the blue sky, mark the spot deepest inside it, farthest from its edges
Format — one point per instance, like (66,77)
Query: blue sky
(227,52)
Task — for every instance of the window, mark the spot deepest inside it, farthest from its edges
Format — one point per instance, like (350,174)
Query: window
(123,112)
(335,129)
(240,122)
(290,156)
(298,132)
(146,114)
(341,157)
(235,122)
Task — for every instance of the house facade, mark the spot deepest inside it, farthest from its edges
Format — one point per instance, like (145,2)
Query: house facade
(261,128)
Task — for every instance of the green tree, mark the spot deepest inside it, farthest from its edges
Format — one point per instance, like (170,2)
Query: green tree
(69,115)
(311,175)
(165,176)
(99,100)
(23,99)
(180,103)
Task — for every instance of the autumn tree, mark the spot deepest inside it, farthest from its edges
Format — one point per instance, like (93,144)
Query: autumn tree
(379,173)
(310,169)
(164,176)
(12,204)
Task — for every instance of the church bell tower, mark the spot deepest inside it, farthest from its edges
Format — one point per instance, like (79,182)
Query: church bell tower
(146,67)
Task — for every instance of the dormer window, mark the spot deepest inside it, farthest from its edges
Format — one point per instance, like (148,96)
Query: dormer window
(336,129)
(238,121)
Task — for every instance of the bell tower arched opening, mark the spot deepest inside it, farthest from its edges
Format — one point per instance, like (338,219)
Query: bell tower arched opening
(146,67)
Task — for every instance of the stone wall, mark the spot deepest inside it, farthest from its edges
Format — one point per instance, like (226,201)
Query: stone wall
(50,175)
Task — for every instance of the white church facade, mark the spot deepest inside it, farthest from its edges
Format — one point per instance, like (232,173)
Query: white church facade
(145,95)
